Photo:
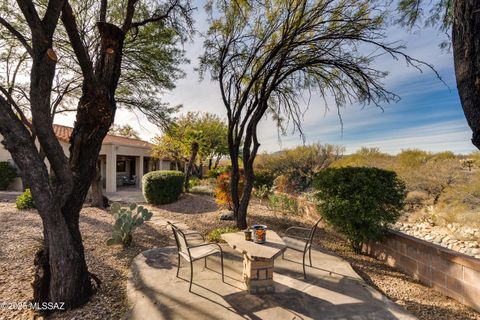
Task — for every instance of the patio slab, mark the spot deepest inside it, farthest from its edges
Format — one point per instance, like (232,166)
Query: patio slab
(332,291)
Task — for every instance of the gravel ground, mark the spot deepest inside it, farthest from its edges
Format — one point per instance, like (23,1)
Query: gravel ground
(21,236)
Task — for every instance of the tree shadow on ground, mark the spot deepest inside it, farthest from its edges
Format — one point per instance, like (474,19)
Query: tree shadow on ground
(191,203)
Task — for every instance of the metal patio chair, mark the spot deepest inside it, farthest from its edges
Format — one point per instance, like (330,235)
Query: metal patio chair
(194,252)
(301,243)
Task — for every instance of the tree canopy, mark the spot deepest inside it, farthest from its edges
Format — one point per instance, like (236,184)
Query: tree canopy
(267,55)
(206,129)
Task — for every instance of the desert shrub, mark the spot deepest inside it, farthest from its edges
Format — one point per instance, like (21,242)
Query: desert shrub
(284,184)
(194,182)
(299,164)
(283,203)
(360,202)
(7,174)
(262,192)
(263,177)
(214,173)
(365,157)
(460,203)
(223,194)
(126,221)
(216,234)
(433,177)
(412,158)
(164,186)
(25,201)
(416,200)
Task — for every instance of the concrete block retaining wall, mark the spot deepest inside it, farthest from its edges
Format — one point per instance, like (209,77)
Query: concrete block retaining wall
(453,274)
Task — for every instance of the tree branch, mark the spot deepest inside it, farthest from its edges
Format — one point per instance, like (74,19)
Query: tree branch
(17,34)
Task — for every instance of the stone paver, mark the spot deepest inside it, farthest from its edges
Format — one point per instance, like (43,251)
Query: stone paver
(127,195)
(332,291)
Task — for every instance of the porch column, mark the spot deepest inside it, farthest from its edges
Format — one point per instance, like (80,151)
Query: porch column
(139,170)
(111,171)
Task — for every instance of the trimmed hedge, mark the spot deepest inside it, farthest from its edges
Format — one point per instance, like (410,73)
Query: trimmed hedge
(7,174)
(360,202)
(164,186)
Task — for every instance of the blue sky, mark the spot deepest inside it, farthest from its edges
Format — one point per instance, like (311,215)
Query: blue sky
(428,116)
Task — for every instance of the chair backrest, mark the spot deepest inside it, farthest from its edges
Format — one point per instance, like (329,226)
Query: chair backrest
(180,238)
(312,230)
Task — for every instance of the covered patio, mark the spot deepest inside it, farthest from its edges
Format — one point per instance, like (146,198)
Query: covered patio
(333,290)
(123,162)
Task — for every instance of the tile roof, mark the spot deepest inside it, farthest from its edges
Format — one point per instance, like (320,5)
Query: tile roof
(63,133)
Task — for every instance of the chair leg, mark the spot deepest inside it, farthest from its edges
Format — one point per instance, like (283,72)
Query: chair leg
(310,255)
(205,262)
(178,264)
(191,275)
(304,272)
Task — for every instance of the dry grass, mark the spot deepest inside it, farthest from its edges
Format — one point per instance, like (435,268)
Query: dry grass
(22,233)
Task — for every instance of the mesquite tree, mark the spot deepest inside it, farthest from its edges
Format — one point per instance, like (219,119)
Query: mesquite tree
(266,54)
(463,18)
(61,271)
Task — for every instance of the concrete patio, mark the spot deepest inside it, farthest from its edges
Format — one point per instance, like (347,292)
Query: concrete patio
(332,291)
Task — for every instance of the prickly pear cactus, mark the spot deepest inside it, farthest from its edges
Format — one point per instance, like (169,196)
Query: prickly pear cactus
(126,221)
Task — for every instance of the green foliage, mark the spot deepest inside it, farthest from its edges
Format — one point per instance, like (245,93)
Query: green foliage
(263,178)
(7,174)
(216,234)
(414,11)
(126,221)
(125,130)
(297,165)
(194,182)
(364,157)
(413,157)
(284,203)
(360,202)
(214,173)
(206,129)
(164,186)
(262,191)
(25,201)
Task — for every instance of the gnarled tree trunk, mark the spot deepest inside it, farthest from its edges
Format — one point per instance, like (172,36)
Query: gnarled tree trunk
(96,192)
(466,52)
(190,165)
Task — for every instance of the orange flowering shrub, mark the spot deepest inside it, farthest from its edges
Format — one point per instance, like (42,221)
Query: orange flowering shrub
(223,191)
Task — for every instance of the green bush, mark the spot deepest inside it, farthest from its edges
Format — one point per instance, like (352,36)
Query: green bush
(216,234)
(7,174)
(263,178)
(194,182)
(283,203)
(164,186)
(126,221)
(25,201)
(360,202)
(214,173)
(262,192)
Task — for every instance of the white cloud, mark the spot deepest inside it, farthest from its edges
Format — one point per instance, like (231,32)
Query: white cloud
(430,130)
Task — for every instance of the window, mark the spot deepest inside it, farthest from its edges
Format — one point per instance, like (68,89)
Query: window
(121,166)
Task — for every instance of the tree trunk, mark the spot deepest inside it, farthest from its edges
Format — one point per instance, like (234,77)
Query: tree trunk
(191,162)
(62,277)
(96,189)
(466,53)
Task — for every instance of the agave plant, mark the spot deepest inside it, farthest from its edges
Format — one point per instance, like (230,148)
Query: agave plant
(126,221)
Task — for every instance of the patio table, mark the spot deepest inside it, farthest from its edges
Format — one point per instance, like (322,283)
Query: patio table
(258,259)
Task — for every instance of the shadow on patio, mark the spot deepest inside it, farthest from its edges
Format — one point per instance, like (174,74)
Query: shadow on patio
(332,291)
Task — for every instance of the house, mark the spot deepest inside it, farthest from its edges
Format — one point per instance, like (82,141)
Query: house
(123,161)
